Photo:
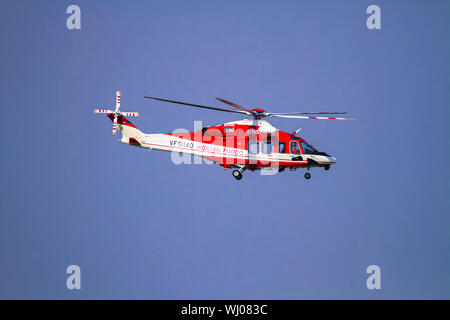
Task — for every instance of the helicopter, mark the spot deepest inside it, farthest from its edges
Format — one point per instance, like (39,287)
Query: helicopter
(248,144)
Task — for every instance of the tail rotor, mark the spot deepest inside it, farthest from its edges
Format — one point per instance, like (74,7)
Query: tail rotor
(117,113)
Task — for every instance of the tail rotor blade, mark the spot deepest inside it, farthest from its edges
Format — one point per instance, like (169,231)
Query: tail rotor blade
(103,111)
(117,101)
(131,114)
(114,125)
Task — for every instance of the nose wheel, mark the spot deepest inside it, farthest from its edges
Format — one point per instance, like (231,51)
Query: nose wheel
(307,175)
(237,174)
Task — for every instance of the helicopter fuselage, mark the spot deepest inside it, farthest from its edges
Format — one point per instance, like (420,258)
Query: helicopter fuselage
(245,144)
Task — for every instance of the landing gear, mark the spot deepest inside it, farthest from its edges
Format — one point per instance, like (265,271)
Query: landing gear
(327,167)
(237,174)
(307,175)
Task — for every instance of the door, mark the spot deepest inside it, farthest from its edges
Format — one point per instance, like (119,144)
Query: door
(295,151)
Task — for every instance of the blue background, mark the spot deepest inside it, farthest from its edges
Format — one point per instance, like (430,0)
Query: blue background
(141,227)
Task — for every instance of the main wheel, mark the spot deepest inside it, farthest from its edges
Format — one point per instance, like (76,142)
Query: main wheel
(237,174)
(307,175)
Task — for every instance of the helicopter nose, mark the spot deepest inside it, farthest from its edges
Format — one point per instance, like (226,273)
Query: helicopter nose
(324,159)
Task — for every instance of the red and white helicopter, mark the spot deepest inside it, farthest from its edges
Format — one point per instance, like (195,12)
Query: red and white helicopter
(252,144)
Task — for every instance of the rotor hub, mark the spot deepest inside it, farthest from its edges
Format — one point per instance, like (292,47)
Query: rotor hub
(258,113)
(258,110)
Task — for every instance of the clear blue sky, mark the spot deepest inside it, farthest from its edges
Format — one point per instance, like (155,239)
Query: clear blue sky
(141,227)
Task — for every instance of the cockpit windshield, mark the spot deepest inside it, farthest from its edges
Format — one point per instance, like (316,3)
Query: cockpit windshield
(307,148)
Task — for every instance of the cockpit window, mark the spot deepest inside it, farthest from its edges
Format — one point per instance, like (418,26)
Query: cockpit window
(308,149)
(295,148)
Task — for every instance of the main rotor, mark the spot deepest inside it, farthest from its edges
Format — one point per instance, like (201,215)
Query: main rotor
(257,113)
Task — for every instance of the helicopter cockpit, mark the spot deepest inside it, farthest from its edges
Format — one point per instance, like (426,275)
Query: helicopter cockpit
(306,147)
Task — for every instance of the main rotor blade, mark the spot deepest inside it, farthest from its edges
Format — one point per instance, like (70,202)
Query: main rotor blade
(293,113)
(195,105)
(234,105)
(304,117)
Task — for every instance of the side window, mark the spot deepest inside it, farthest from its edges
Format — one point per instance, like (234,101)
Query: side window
(295,148)
(282,147)
(266,147)
(253,147)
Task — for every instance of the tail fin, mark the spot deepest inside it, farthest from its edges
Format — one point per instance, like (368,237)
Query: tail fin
(130,134)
